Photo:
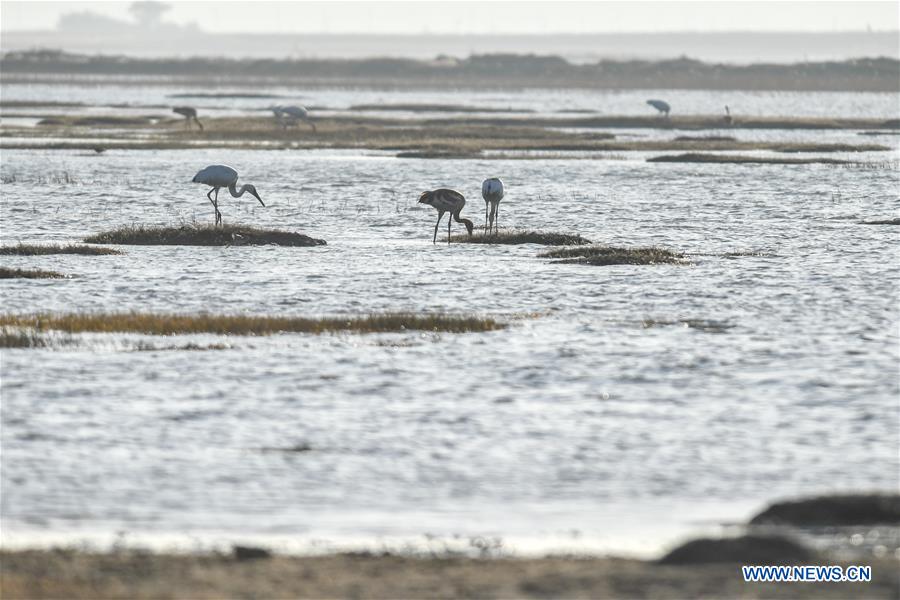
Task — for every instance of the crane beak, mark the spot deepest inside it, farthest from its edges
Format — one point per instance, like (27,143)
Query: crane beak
(255,195)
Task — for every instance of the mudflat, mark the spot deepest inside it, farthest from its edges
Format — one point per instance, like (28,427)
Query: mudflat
(80,575)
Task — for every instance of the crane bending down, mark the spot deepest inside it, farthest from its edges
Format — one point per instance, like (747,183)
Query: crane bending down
(219,176)
(444,200)
(289,115)
(492,192)
(660,105)
(190,114)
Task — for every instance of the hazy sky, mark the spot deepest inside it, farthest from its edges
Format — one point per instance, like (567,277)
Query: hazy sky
(482,17)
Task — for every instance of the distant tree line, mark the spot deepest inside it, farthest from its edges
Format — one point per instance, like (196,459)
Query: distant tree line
(499,70)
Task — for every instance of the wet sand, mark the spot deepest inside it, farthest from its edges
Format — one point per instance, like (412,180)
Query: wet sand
(79,575)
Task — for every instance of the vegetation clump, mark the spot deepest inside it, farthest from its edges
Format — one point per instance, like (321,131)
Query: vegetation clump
(747,549)
(838,510)
(6,273)
(882,222)
(200,235)
(705,138)
(41,250)
(608,255)
(513,237)
(697,157)
(13,338)
(453,108)
(104,121)
(445,154)
(174,324)
(698,324)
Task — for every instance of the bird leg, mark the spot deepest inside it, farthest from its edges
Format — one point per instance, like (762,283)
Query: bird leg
(213,202)
(449,223)
(440,215)
(495,218)
(486,217)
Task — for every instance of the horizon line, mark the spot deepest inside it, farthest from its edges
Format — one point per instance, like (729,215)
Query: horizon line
(494,34)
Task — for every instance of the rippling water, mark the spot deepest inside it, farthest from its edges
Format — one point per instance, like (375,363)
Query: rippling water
(100,96)
(583,426)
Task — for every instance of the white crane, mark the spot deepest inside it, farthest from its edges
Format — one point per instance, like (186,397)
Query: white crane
(492,191)
(289,115)
(660,105)
(444,200)
(189,113)
(219,176)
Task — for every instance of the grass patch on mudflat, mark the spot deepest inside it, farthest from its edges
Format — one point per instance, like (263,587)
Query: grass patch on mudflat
(13,338)
(6,273)
(454,108)
(738,159)
(432,154)
(228,235)
(698,324)
(41,250)
(882,222)
(705,138)
(608,255)
(173,324)
(544,238)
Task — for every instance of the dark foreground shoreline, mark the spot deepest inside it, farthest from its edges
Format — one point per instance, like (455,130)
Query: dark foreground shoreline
(137,575)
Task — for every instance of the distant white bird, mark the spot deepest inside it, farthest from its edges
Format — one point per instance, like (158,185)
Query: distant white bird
(289,115)
(189,113)
(219,176)
(492,191)
(444,200)
(660,105)
(727,118)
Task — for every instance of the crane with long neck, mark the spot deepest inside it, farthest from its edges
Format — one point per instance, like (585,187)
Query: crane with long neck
(219,176)
(444,200)
(190,114)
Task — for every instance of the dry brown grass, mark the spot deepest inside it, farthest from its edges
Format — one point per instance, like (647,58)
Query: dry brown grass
(173,324)
(200,235)
(607,255)
(6,273)
(40,250)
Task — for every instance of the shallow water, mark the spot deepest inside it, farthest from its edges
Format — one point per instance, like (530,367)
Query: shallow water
(580,426)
